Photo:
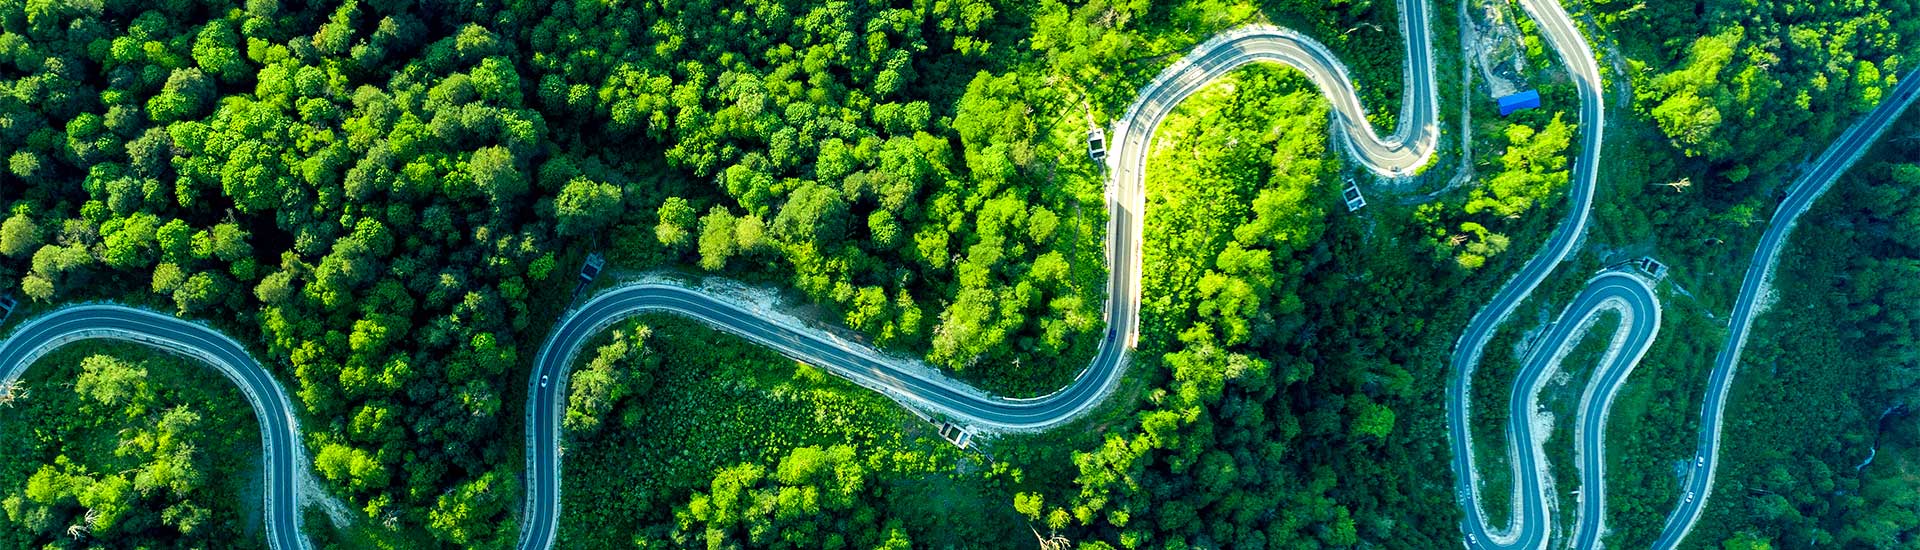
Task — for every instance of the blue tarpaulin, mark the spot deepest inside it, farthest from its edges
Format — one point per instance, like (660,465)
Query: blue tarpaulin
(1523,100)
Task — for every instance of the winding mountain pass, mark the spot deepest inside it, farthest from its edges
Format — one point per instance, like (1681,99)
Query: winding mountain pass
(921,387)
(1529,527)
(1753,289)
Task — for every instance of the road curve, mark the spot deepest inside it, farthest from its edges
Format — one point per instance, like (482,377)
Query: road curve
(281,448)
(1406,150)
(1639,312)
(1800,195)
(1528,526)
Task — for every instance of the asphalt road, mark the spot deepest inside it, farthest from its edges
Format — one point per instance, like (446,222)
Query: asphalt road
(281,448)
(1531,523)
(1639,311)
(1406,150)
(1811,184)
(1403,152)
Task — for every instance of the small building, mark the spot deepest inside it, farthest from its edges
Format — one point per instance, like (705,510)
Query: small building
(588,271)
(1523,100)
(1097,144)
(1653,268)
(956,434)
(1352,195)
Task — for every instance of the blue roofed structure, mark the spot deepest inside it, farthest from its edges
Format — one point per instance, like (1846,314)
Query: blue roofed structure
(1523,100)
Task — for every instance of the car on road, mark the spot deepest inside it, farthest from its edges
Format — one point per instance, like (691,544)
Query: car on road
(543,380)
(1699,461)
(1472,542)
(1689,498)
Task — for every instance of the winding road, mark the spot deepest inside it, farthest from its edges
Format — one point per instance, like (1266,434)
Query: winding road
(282,449)
(1753,288)
(1529,527)
(918,386)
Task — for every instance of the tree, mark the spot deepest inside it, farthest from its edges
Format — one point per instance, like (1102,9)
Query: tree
(717,240)
(168,277)
(616,370)
(1371,420)
(216,49)
(130,241)
(676,223)
(350,467)
(813,214)
(585,206)
(187,94)
(37,287)
(18,235)
(463,516)
(199,291)
(108,381)
(494,171)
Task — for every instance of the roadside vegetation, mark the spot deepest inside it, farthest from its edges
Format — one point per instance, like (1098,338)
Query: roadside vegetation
(1728,100)
(679,435)
(1561,397)
(1645,463)
(112,445)
(1253,286)
(1829,379)
(1280,372)
(390,199)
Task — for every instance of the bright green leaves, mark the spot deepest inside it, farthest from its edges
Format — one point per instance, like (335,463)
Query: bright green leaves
(585,206)
(350,467)
(1534,169)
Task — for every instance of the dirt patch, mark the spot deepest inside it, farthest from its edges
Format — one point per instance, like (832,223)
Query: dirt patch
(1494,43)
(312,493)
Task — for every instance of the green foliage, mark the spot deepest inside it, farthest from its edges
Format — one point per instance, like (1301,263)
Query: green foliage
(676,223)
(585,206)
(817,498)
(619,368)
(1249,285)
(1749,88)
(731,442)
(18,236)
(139,453)
(1534,169)
(1823,384)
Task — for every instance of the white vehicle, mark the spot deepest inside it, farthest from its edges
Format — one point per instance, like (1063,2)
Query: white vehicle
(1699,461)
(1097,145)
(1689,498)
(543,380)
(1472,542)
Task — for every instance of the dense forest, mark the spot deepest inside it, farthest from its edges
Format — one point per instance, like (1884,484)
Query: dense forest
(1728,100)
(385,194)
(388,199)
(114,443)
(1238,417)
(680,436)
(1824,452)
(1252,284)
